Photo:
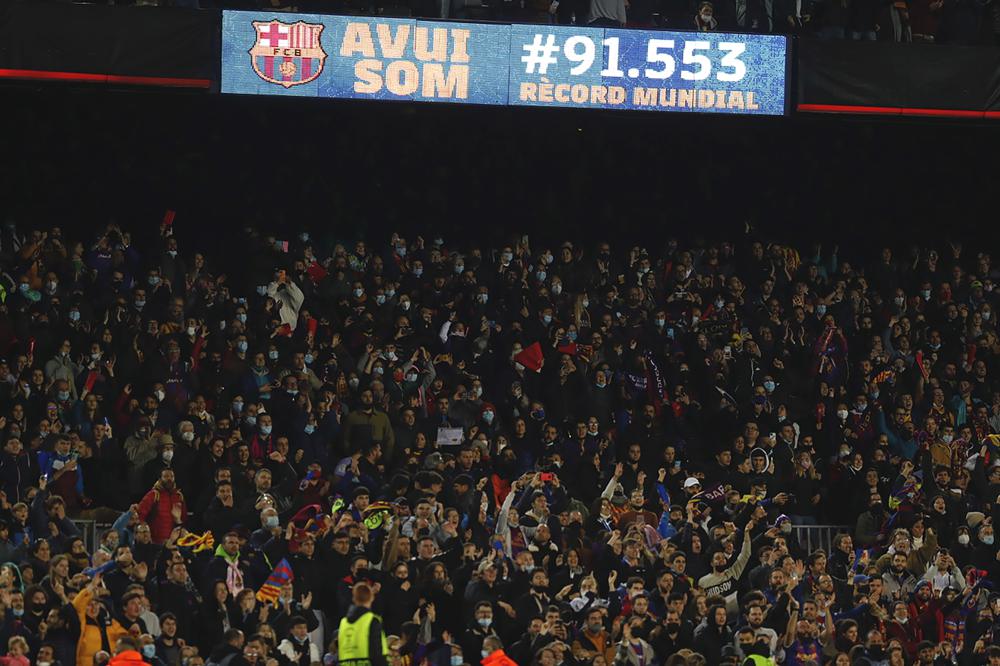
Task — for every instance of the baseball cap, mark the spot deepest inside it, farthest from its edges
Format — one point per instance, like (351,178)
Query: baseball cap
(691,481)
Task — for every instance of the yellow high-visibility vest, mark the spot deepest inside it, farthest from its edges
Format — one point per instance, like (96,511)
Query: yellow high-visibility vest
(353,639)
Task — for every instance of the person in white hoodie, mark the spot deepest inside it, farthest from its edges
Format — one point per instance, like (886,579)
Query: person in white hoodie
(288,298)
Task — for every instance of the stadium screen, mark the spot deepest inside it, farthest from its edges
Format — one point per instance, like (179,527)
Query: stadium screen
(519,65)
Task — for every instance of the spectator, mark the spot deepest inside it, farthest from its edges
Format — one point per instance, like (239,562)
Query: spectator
(383,420)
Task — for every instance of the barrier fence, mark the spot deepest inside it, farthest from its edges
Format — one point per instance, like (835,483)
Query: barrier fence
(89,530)
(811,537)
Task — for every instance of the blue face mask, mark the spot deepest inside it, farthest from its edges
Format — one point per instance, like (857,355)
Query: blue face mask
(140,304)
(769,386)
(237,406)
(273,355)
(265,430)
(488,416)
(251,420)
(261,290)
(74,315)
(571,336)
(18,612)
(820,310)
(417,272)
(380,299)
(271,522)
(241,317)
(310,429)
(148,650)
(242,346)
(63,396)
(459,269)
(401,251)
(540,275)
(154,280)
(456,660)
(547,319)
(485,622)
(309,359)
(24,287)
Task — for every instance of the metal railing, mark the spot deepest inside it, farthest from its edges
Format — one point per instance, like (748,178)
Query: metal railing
(811,537)
(88,530)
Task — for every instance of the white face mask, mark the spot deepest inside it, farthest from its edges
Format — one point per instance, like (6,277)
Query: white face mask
(842,414)
(963,539)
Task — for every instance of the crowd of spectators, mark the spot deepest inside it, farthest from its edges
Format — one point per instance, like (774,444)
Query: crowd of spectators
(567,455)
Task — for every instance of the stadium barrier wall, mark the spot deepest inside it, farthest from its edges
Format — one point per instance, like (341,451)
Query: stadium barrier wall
(108,44)
(898,79)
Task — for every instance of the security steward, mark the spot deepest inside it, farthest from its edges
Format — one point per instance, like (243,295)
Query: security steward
(360,639)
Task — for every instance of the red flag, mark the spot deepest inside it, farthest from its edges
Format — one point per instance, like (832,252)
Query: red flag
(531,357)
(568,348)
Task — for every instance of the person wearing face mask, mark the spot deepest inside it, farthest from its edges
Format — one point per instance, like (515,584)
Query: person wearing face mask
(298,650)
(481,627)
(985,551)
(166,458)
(903,628)
(672,635)
(148,651)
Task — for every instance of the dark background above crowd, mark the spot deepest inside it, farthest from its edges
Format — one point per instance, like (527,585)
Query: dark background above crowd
(368,169)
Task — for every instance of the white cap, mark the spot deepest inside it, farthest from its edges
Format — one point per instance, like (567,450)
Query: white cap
(691,481)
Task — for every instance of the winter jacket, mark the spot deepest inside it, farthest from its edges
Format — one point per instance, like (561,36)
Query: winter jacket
(154,508)
(127,658)
(95,635)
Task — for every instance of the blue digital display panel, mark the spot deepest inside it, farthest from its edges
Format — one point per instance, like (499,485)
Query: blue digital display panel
(480,63)
(647,69)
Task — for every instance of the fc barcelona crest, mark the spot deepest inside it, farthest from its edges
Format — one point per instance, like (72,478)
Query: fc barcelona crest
(287,54)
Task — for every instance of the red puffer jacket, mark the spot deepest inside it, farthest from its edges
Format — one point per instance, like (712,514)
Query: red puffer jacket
(155,509)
